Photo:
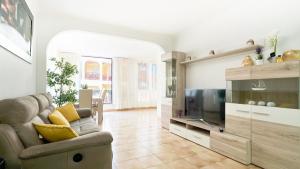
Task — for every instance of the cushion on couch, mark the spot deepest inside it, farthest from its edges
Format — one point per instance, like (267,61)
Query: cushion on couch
(44,116)
(57,118)
(20,113)
(85,126)
(42,101)
(53,133)
(69,111)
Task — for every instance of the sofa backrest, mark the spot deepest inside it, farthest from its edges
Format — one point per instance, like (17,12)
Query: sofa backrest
(45,106)
(20,113)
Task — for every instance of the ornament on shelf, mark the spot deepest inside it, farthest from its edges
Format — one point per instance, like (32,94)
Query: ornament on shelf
(189,58)
(291,55)
(247,61)
(259,60)
(279,59)
(211,52)
(250,42)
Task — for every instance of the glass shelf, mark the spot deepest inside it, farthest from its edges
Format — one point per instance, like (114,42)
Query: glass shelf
(171,79)
(265,92)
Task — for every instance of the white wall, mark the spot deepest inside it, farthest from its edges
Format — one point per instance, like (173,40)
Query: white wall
(251,19)
(17,76)
(52,23)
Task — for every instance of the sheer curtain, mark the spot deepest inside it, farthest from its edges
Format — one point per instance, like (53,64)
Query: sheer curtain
(127,93)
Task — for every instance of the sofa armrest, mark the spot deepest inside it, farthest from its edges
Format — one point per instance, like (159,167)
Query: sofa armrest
(89,140)
(84,112)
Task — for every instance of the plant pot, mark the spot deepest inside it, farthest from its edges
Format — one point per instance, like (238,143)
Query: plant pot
(259,62)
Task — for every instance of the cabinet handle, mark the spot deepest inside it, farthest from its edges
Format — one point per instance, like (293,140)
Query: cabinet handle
(197,137)
(261,114)
(242,111)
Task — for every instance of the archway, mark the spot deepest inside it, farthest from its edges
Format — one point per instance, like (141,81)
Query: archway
(126,54)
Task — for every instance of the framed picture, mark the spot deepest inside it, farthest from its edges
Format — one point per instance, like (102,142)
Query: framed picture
(16,28)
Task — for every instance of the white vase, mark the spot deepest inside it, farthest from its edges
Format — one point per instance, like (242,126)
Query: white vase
(259,62)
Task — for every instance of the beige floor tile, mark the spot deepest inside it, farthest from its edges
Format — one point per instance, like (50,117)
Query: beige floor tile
(180,164)
(141,143)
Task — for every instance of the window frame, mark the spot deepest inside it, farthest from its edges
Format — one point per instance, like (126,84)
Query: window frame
(111,71)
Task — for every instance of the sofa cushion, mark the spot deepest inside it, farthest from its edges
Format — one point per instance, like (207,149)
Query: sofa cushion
(85,126)
(44,116)
(42,101)
(57,118)
(19,110)
(27,133)
(84,112)
(20,113)
(49,97)
(69,112)
(53,133)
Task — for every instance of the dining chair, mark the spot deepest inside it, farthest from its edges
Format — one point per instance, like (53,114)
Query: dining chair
(86,98)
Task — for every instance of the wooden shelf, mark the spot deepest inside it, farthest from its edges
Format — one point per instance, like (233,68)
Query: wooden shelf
(289,69)
(228,53)
(194,123)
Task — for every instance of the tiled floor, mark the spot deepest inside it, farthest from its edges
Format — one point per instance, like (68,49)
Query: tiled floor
(140,142)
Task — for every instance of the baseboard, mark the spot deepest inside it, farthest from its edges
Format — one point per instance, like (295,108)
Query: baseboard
(134,108)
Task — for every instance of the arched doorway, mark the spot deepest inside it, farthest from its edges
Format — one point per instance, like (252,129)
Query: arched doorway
(128,58)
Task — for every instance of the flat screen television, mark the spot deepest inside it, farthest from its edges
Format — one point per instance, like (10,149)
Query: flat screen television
(207,105)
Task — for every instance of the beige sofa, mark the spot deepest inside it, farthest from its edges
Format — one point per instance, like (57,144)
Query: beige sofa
(22,147)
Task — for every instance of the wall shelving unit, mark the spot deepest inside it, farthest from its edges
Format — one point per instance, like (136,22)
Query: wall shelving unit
(223,54)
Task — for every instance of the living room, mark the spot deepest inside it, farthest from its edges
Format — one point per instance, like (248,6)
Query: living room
(156,84)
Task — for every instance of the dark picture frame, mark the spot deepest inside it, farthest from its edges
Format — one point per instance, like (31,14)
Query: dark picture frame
(16,28)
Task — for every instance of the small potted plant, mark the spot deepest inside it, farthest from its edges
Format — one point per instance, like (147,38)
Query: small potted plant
(272,42)
(259,60)
(84,86)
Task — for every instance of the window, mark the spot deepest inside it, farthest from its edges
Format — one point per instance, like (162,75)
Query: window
(96,72)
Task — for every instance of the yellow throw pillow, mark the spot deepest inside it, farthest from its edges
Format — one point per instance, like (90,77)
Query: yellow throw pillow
(53,133)
(57,118)
(69,112)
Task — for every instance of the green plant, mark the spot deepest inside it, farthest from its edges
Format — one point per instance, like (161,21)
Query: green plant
(60,80)
(259,55)
(273,41)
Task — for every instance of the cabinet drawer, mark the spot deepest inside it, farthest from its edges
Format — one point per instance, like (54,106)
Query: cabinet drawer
(178,130)
(238,126)
(277,115)
(199,138)
(239,110)
(235,147)
(275,146)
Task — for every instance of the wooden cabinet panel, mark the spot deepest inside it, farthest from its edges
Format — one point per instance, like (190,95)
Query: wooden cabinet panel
(235,147)
(166,115)
(241,73)
(238,119)
(238,126)
(276,70)
(275,146)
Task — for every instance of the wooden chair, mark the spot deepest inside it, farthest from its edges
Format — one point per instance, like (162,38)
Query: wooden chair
(98,106)
(86,98)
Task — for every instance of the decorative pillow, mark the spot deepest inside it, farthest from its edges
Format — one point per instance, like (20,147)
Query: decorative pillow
(69,112)
(57,118)
(53,133)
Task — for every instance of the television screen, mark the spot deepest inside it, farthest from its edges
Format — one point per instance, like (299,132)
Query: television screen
(206,105)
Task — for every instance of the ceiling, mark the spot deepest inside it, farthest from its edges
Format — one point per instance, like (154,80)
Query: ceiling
(158,16)
(101,45)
